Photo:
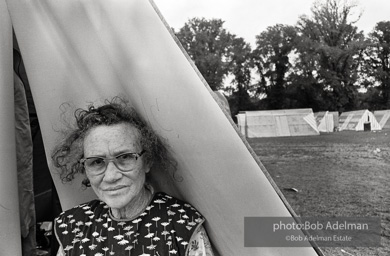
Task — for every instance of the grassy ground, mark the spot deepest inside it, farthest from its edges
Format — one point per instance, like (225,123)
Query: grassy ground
(336,174)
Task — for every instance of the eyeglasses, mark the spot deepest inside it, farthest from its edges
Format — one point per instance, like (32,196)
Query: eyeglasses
(98,165)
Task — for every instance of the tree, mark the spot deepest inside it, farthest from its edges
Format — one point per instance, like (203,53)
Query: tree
(271,58)
(209,46)
(306,89)
(240,62)
(371,99)
(336,48)
(378,62)
(219,54)
(240,69)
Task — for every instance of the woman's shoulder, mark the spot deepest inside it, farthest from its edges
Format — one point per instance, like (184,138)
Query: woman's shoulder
(168,200)
(85,209)
(175,206)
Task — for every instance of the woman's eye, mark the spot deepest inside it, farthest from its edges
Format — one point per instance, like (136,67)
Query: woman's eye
(128,156)
(96,162)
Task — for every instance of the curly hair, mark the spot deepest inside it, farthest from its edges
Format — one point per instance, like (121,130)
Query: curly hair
(67,155)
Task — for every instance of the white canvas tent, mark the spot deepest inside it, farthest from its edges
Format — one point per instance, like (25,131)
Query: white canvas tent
(359,120)
(324,121)
(277,123)
(241,123)
(383,117)
(335,115)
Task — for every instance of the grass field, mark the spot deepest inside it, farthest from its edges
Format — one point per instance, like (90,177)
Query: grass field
(336,174)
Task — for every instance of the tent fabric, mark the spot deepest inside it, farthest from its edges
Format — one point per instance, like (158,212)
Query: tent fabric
(241,123)
(44,191)
(335,115)
(82,52)
(325,121)
(309,118)
(10,235)
(383,117)
(357,120)
(275,123)
(222,101)
(24,153)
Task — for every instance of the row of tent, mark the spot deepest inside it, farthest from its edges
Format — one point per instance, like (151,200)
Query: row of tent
(303,122)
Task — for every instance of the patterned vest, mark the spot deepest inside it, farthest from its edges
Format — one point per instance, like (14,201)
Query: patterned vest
(163,229)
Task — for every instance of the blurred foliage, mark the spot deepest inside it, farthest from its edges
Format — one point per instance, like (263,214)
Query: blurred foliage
(209,46)
(377,63)
(323,62)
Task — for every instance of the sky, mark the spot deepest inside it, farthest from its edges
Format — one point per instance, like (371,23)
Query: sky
(248,18)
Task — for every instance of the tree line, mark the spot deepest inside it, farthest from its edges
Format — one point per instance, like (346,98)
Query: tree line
(323,62)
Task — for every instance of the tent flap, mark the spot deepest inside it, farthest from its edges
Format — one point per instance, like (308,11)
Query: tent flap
(81,53)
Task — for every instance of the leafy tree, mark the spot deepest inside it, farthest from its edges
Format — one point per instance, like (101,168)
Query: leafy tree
(209,46)
(378,63)
(333,44)
(240,62)
(371,99)
(219,54)
(271,58)
(305,89)
(240,69)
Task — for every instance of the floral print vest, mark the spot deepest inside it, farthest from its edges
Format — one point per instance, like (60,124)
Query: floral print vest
(164,228)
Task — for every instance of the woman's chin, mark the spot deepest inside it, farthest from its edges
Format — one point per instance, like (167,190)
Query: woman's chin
(116,202)
(115,205)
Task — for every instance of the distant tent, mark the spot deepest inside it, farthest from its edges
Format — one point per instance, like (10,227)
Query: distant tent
(241,123)
(325,121)
(335,115)
(360,120)
(383,117)
(275,123)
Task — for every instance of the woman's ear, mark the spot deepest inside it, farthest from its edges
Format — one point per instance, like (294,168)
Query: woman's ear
(148,167)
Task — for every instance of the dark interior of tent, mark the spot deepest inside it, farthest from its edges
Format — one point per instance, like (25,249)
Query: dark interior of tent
(47,205)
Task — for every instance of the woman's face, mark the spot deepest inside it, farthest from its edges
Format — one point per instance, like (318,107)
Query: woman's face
(116,188)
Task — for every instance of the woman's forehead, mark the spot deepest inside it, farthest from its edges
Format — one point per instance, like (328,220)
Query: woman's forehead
(120,128)
(117,135)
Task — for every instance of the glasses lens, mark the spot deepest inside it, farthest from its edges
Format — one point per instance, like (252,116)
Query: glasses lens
(95,164)
(126,161)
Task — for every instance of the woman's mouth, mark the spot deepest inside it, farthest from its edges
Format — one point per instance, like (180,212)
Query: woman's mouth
(115,188)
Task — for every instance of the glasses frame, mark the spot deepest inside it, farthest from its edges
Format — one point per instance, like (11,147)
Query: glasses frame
(113,159)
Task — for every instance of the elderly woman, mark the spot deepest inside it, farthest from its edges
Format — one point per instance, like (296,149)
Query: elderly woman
(116,150)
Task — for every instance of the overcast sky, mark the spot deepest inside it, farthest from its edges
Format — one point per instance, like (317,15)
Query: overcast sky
(248,18)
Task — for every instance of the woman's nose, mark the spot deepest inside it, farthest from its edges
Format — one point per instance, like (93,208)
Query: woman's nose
(112,173)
